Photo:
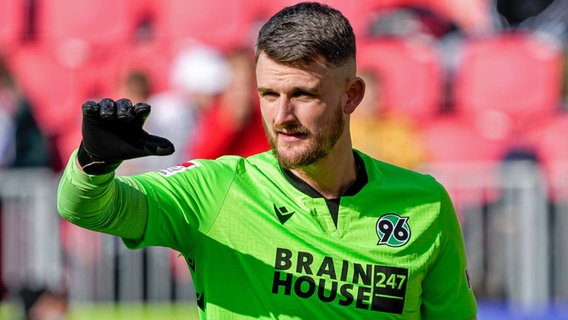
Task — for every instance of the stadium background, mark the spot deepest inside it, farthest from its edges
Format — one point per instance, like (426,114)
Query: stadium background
(489,96)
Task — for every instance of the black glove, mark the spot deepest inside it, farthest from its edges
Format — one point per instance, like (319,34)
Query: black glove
(112,132)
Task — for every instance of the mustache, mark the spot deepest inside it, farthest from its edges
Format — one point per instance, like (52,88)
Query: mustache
(291,128)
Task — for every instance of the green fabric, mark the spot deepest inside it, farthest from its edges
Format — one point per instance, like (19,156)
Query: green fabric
(397,251)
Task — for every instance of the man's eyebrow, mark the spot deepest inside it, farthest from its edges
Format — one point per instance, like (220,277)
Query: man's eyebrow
(262,90)
(310,90)
(314,90)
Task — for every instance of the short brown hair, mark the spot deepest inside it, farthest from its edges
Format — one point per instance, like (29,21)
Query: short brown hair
(300,34)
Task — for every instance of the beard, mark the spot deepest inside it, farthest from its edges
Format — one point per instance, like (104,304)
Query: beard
(313,147)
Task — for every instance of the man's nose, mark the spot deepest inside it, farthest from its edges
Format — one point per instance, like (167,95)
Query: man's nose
(285,112)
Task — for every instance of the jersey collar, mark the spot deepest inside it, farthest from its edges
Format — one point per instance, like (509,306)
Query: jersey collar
(360,181)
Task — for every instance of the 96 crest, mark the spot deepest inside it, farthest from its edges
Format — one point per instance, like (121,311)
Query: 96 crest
(393,230)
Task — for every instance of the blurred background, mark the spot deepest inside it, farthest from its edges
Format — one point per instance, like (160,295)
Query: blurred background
(471,91)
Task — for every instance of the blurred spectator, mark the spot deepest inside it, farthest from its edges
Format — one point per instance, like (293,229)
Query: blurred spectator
(198,75)
(473,17)
(44,304)
(514,12)
(549,17)
(545,16)
(135,86)
(233,124)
(443,33)
(410,21)
(22,143)
(385,135)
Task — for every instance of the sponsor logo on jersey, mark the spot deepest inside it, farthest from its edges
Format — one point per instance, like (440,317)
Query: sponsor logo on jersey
(282,214)
(168,172)
(393,230)
(346,283)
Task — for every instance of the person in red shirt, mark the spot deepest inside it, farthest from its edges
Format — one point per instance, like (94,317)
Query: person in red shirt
(233,124)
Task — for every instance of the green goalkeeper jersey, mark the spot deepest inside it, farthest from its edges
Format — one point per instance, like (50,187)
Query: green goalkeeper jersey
(260,243)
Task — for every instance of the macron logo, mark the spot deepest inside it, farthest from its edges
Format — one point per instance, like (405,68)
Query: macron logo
(282,214)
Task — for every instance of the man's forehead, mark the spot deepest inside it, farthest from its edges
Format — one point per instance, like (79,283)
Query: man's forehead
(318,67)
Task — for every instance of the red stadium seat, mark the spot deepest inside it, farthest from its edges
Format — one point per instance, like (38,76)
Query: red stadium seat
(461,157)
(221,23)
(518,75)
(411,74)
(457,139)
(353,10)
(151,59)
(84,36)
(358,12)
(96,22)
(12,24)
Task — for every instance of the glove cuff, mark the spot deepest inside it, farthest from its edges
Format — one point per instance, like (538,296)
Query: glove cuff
(92,164)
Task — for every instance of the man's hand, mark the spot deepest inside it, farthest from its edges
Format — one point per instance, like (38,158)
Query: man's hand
(112,132)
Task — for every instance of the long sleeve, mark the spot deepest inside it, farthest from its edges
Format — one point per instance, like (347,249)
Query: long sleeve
(99,202)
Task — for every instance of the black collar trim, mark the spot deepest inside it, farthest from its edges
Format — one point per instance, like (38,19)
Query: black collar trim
(305,188)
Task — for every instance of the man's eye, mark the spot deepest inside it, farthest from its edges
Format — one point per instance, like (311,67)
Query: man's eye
(303,94)
(266,93)
(271,95)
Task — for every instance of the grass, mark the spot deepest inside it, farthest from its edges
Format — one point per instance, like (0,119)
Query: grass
(123,311)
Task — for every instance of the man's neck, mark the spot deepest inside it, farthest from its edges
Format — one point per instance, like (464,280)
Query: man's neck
(330,176)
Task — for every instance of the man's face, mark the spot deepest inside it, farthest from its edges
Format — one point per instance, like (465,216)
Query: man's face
(302,110)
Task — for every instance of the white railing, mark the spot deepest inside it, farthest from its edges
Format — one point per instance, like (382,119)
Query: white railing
(31,251)
(514,226)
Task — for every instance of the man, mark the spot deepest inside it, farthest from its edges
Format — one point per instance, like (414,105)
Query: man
(311,230)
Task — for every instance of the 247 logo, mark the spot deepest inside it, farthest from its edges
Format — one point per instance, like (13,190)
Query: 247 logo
(393,230)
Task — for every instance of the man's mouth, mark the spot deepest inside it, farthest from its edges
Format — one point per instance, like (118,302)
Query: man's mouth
(291,136)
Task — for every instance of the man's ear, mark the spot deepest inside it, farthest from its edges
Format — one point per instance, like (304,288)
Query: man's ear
(355,93)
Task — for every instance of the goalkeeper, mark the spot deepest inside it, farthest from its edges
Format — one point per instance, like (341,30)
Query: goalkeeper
(312,229)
